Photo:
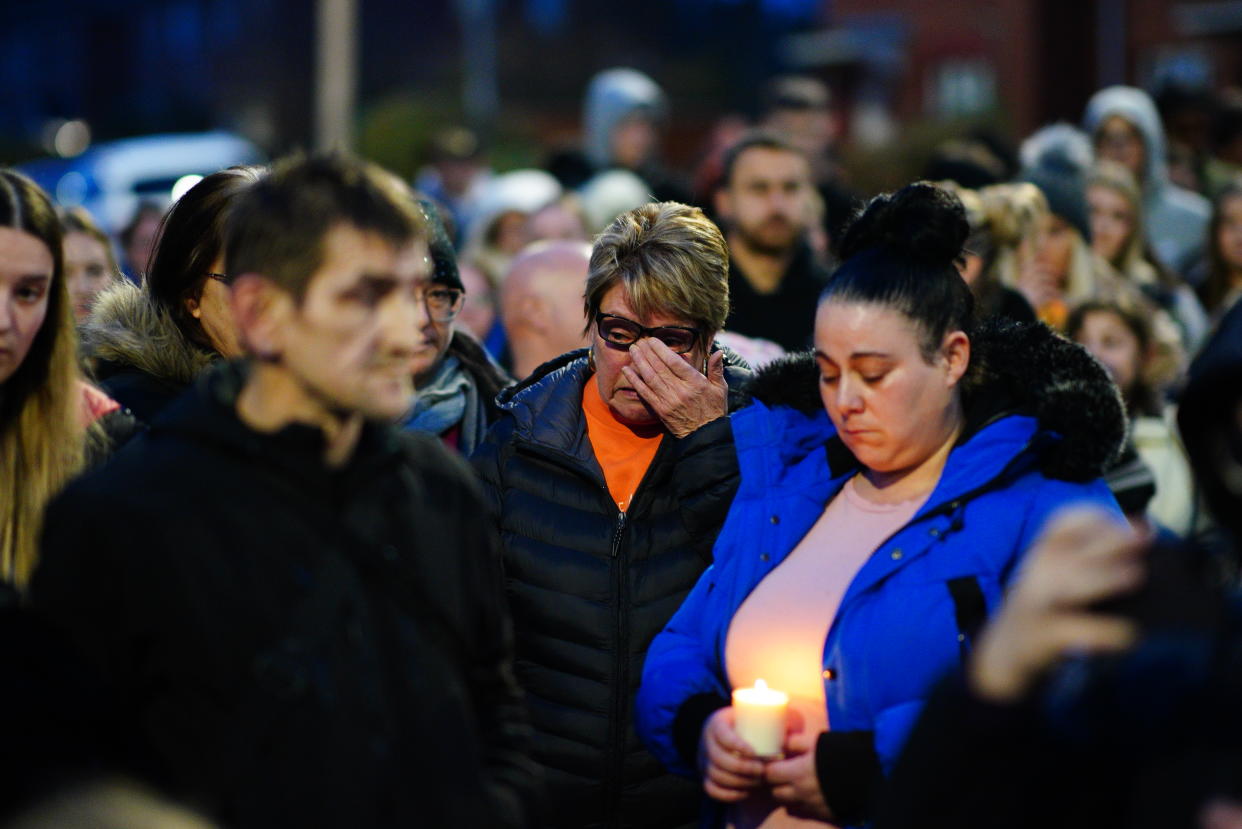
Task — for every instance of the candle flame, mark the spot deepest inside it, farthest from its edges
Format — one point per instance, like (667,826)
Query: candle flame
(760,684)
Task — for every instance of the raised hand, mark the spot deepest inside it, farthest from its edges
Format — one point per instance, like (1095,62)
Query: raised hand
(680,395)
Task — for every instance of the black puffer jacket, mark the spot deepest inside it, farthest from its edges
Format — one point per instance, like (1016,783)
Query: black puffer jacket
(589,587)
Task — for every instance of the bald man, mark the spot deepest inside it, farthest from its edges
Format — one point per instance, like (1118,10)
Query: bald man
(541,303)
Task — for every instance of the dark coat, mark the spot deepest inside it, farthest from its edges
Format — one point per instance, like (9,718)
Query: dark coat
(298,645)
(590,587)
(137,353)
(787,315)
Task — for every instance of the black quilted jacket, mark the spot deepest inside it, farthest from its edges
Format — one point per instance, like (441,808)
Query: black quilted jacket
(589,587)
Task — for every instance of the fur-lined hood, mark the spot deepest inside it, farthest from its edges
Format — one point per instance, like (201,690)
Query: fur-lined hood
(128,330)
(1016,368)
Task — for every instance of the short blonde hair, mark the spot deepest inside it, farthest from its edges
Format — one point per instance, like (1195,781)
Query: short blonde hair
(670,258)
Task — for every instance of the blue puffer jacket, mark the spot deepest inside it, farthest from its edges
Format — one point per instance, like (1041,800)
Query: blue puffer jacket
(910,612)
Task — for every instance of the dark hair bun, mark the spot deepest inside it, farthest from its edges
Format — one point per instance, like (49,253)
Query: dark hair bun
(920,221)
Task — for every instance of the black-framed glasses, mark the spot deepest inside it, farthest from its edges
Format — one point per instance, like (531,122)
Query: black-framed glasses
(220,277)
(443,304)
(623,333)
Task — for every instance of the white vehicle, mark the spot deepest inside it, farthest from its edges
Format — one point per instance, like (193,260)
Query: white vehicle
(112,178)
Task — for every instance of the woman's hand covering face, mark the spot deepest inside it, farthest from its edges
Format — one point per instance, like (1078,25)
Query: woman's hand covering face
(681,397)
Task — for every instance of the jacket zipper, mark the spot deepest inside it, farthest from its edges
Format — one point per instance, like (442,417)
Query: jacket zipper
(620,697)
(616,534)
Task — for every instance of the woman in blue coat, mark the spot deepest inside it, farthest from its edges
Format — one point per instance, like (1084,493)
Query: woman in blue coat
(876,523)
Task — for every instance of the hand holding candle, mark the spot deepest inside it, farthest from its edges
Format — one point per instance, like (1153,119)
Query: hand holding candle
(760,717)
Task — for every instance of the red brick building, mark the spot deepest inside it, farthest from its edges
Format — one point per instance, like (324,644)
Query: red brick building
(1026,62)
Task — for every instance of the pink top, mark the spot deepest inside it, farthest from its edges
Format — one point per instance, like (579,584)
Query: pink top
(778,633)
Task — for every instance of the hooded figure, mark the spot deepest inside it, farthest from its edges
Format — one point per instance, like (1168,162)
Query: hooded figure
(1175,218)
(621,118)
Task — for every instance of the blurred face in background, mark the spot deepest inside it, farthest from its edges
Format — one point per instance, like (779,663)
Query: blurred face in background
(1054,248)
(813,130)
(88,270)
(26,271)
(142,240)
(765,201)
(634,141)
(556,222)
(1118,140)
(1229,236)
(479,309)
(1112,221)
(1114,344)
(508,232)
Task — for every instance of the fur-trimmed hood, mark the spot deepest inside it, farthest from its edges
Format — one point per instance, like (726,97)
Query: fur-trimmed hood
(128,330)
(1016,368)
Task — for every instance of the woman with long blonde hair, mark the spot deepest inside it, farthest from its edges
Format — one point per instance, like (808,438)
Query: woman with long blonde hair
(48,415)
(1115,205)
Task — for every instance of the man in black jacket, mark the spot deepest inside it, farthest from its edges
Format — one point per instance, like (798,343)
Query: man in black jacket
(297,604)
(774,280)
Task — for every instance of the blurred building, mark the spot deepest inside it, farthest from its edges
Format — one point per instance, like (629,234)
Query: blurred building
(1031,61)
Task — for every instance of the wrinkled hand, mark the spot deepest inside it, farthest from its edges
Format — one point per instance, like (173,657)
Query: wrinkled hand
(1083,557)
(729,766)
(680,396)
(794,781)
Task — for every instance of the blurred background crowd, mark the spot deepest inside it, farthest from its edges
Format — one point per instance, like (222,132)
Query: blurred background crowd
(1096,147)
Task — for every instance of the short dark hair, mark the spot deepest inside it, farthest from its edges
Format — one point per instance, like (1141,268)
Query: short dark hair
(901,252)
(190,238)
(278,226)
(796,92)
(761,139)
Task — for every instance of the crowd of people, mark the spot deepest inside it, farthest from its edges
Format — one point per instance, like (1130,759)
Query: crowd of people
(472,502)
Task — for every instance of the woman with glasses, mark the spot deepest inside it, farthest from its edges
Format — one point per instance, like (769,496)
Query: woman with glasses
(148,343)
(610,472)
(455,381)
(890,483)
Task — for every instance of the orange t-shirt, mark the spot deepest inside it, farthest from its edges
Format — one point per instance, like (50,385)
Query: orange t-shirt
(623,453)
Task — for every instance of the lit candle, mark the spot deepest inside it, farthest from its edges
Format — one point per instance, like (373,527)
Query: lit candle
(759,717)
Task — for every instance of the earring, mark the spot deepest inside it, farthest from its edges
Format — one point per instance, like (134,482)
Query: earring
(591,359)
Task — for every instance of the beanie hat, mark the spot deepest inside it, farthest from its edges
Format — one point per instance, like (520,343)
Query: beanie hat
(1056,160)
(443,257)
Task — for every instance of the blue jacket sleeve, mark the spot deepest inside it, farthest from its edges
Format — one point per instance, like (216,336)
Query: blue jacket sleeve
(680,667)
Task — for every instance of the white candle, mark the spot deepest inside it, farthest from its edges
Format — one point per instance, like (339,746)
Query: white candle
(759,717)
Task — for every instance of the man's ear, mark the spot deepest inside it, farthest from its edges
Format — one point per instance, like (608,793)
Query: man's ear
(724,202)
(260,309)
